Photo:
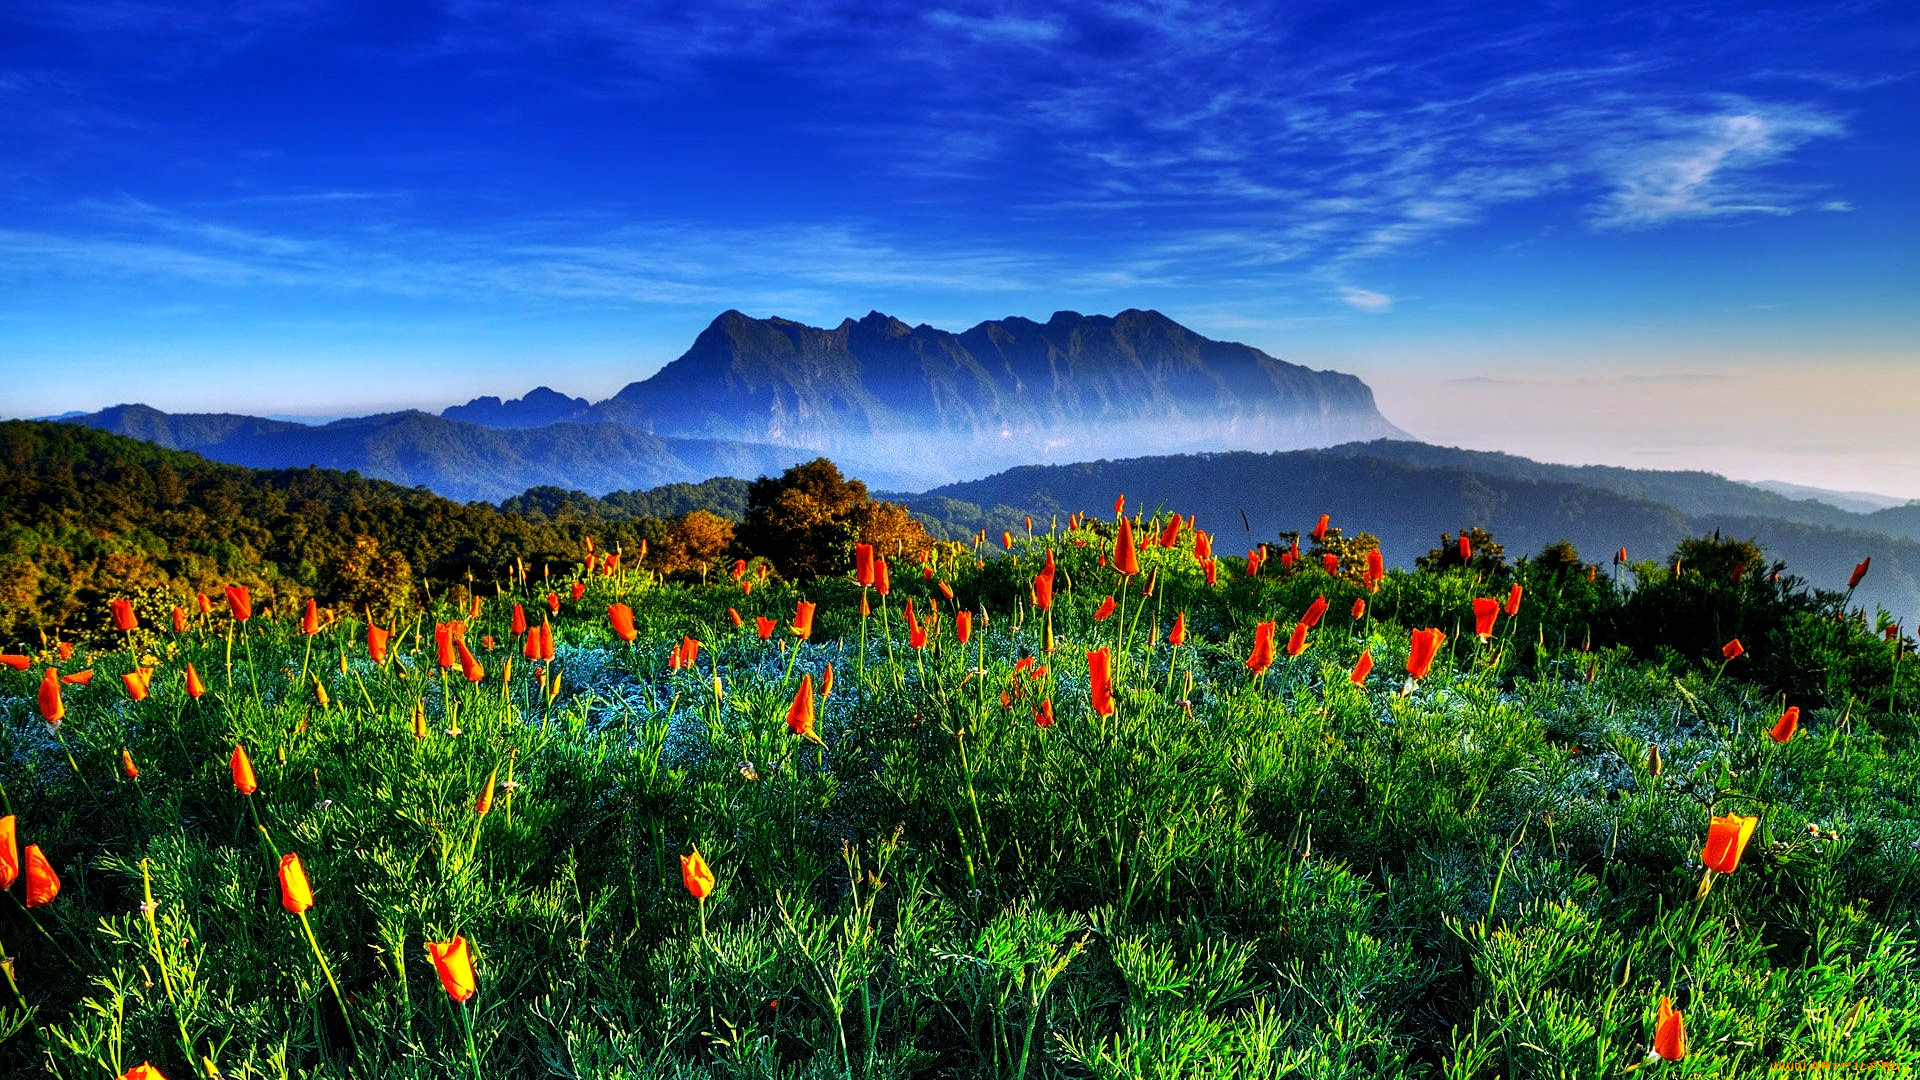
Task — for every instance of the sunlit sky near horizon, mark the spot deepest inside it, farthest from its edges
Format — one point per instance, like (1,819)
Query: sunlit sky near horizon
(1671,235)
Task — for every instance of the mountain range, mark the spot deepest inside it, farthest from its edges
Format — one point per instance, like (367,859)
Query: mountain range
(1408,494)
(904,406)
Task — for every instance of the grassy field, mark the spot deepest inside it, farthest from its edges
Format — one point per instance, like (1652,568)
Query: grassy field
(1220,873)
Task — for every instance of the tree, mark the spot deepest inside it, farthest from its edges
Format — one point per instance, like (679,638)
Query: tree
(1351,551)
(1559,557)
(697,539)
(367,579)
(1485,556)
(806,522)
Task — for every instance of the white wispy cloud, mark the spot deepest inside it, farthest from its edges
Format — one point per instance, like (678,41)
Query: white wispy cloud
(1365,299)
(1707,165)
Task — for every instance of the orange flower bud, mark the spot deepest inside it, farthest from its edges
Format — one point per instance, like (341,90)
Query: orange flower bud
(9,852)
(800,713)
(242,767)
(1669,1032)
(454,964)
(42,883)
(697,875)
(296,895)
(1426,645)
(1362,668)
(123,617)
(52,709)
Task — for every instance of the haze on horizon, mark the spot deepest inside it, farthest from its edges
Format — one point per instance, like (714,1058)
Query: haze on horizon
(1620,235)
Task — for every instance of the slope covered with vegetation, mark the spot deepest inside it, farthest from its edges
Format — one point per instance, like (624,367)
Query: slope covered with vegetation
(1169,826)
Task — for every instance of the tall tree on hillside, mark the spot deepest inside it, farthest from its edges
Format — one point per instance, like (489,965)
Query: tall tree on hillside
(807,521)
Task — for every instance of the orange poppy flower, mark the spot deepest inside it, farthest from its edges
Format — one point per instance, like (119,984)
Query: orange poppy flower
(1297,642)
(553,602)
(194,686)
(42,883)
(136,684)
(1512,606)
(826,683)
(127,768)
(1171,534)
(310,622)
(1262,656)
(242,768)
(16,661)
(201,602)
(579,590)
(296,894)
(1178,635)
(1100,680)
(123,617)
(1211,569)
(454,964)
(179,619)
(518,625)
(621,616)
(880,583)
(142,1071)
(1359,608)
(1043,716)
(443,644)
(1376,568)
(1126,559)
(1485,608)
(1669,1032)
(52,709)
(1106,609)
(469,666)
(1362,668)
(1466,549)
(1732,649)
(1788,724)
(1727,838)
(803,618)
(800,713)
(963,626)
(1253,563)
(1319,532)
(765,627)
(1119,505)
(377,643)
(240,602)
(1426,645)
(78,678)
(1859,571)
(863,565)
(696,875)
(1314,611)
(9,852)
(1202,546)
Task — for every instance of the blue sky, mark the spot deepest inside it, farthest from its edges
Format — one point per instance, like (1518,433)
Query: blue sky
(1672,234)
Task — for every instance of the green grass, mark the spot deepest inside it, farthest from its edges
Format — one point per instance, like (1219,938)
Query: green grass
(1230,877)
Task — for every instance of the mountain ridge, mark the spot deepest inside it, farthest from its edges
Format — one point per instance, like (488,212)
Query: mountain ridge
(880,394)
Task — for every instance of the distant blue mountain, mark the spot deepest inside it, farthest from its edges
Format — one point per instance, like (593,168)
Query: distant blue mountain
(540,407)
(456,459)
